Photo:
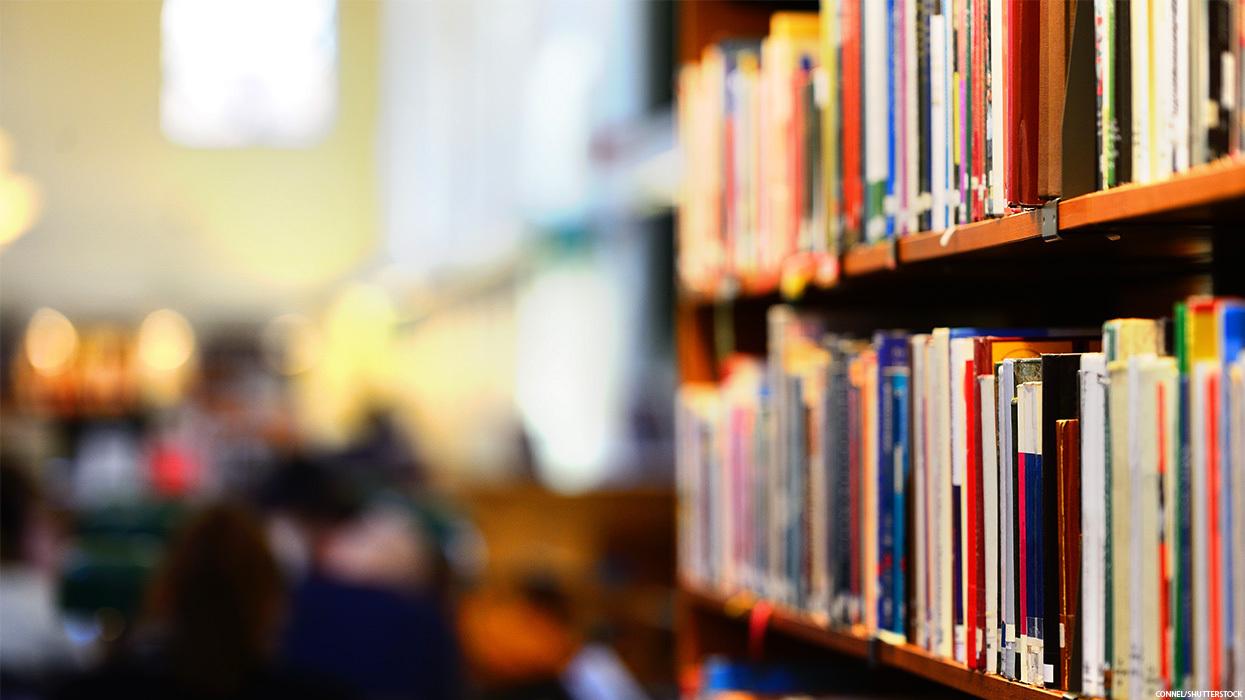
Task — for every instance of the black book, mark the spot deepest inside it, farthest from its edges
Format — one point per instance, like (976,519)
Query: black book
(924,10)
(1219,39)
(1080,102)
(839,482)
(1060,401)
(1123,94)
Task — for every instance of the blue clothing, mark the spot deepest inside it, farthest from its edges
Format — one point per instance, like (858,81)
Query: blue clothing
(379,642)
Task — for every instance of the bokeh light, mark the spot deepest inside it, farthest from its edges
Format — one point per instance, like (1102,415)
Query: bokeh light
(165,341)
(51,342)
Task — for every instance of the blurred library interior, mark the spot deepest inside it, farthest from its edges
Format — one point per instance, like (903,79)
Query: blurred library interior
(535,349)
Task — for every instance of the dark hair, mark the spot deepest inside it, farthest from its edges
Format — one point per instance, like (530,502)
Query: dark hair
(18,499)
(219,598)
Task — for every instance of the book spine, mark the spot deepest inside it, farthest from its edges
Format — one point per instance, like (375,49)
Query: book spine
(1068,517)
(974,614)
(853,140)
(963,116)
(988,431)
(924,100)
(875,122)
(1093,525)
(978,113)
(912,205)
(1104,18)
(893,42)
(939,184)
(997,97)
(1022,162)
(1122,137)
(885,479)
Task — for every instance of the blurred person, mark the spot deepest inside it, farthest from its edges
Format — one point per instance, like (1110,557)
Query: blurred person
(549,659)
(214,616)
(34,644)
(361,609)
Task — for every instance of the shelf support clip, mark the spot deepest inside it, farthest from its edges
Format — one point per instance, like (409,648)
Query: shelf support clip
(1048,221)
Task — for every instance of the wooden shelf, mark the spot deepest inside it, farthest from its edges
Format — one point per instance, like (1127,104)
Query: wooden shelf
(1211,193)
(906,657)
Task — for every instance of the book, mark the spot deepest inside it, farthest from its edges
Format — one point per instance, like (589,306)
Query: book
(1068,454)
(1059,402)
(1122,340)
(876,125)
(1093,433)
(894,375)
(1095,500)
(1033,668)
(988,449)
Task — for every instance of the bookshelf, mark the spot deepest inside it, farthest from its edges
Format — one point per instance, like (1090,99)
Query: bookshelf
(1129,251)
(713,622)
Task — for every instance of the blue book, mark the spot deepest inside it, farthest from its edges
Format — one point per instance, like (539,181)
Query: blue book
(1231,343)
(893,376)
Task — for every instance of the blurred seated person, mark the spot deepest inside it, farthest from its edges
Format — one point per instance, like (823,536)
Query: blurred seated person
(361,609)
(215,613)
(34,645)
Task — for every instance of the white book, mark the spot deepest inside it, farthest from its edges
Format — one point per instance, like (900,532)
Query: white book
(1236,437)
(875,118)
(990,516)
(1199,459)
(938,121)
(940,409)
(1006,384)
(920,610)
(997,201)
(961,352)
(1121,523)
(1141,49)
(1162,87)
(1181,87)
(1093,417)
(1029,441)
(1147,445)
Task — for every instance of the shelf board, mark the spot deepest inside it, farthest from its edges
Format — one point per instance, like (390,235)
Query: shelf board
(1210,193)
(867,259)
(857,643)
(1213,185)
(965,238)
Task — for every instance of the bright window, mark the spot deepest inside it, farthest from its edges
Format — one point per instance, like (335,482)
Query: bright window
(246,73)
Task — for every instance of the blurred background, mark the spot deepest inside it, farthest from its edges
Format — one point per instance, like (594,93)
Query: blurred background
(336,348)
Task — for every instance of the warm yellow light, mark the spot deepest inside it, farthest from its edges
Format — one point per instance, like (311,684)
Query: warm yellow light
(51,342)
(292,344)
(19,206)
(165,341)
(6,151)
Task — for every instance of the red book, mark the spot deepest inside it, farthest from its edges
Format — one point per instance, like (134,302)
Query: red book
(1024,56)
(853,176)
(980,34)
(975,611)
(961,99)
(1213,490)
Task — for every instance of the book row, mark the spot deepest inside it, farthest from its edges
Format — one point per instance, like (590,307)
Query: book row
(871,120)
(1061,507)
